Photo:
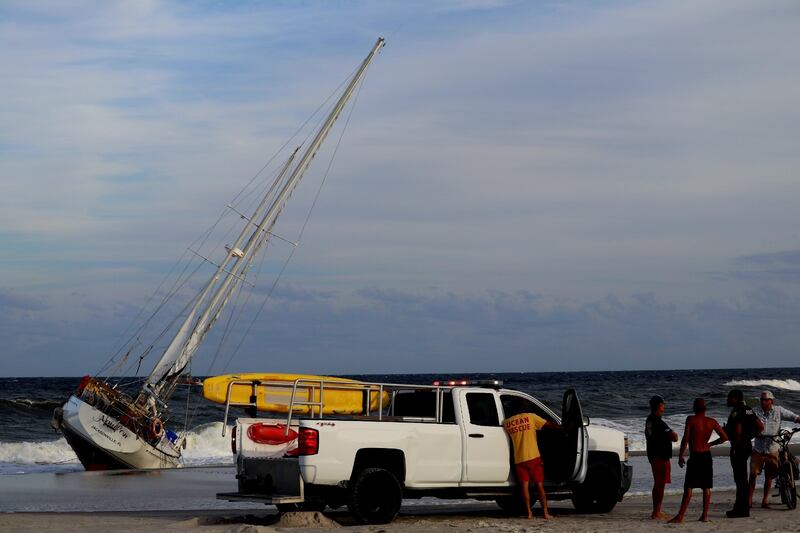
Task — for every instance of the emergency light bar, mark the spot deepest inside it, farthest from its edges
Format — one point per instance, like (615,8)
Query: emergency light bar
(467,382)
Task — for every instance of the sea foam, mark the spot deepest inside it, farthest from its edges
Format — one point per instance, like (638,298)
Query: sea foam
(205,445)
(785,384)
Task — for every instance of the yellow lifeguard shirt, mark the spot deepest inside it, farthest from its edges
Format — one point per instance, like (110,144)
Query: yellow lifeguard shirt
(522,429)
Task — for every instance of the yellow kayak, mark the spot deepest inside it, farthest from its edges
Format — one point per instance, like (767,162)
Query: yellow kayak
(274,393)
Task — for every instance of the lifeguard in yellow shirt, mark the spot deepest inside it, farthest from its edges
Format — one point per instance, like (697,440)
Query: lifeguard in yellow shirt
(528,464)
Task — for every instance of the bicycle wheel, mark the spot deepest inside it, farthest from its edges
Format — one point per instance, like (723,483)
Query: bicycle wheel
(786,486)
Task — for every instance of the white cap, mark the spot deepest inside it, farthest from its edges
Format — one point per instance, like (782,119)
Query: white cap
(767,395)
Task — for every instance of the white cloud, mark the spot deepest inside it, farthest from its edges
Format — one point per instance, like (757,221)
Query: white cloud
(574,150)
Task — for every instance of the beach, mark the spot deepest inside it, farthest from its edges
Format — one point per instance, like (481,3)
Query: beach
(184,500)
(632,514)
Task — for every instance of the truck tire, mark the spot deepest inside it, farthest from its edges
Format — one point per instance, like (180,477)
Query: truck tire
(599,491)
(375,496)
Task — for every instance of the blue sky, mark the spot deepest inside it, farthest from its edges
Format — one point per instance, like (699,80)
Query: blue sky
(524,186)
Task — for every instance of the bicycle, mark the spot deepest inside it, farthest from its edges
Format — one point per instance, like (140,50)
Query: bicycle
(787,468)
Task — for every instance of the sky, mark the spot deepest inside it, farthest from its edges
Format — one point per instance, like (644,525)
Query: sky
(522,186)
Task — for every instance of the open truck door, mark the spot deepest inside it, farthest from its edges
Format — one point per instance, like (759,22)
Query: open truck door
(577,438)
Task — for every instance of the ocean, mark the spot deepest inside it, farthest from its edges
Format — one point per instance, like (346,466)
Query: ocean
(619,400)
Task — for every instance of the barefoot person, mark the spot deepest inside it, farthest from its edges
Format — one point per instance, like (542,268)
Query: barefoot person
(659,437)
(742,425)
(700,470)
(522,428)
(765,450)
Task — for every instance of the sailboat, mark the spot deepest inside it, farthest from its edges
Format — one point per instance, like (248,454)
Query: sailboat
(109,428)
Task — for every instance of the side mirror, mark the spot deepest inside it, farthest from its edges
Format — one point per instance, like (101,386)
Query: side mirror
(585,420)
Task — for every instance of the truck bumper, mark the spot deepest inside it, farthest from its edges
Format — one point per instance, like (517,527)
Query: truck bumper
(265,479)
(626,478)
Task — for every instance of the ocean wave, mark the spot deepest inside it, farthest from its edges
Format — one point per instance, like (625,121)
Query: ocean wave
(37,453)
(205,445)
(31,403)
(785,384)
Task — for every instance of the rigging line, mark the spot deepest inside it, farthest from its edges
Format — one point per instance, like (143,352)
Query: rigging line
(203,239)
(241,308)
(172,322)
(305,223)
(177,284)
(229,325)
(303,125)
(139,314)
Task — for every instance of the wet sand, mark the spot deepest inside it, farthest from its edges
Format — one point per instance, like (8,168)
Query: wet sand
(630,515)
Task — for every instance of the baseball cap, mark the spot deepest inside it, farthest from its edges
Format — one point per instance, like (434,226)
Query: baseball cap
(767,395)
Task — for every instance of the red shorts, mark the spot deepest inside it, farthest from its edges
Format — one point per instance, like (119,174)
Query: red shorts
(530,470)
(662,471)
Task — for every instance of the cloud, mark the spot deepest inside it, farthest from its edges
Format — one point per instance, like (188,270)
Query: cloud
(780,267)
(553,170)
(12,301)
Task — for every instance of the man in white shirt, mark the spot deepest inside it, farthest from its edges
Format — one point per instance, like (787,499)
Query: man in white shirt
(765,450)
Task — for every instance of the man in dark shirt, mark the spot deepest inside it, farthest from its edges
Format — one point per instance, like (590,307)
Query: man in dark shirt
(742,425)
(659,438)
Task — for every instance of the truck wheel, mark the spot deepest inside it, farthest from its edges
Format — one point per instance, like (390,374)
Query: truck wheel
(598,493)
(375,496)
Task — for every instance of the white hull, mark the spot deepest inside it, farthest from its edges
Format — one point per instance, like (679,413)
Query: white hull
(102,442)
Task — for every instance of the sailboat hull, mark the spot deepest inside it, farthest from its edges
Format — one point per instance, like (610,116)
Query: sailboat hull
(103,443)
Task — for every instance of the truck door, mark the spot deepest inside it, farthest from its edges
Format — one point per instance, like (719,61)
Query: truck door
(562,449)
(577,438)
(486,452)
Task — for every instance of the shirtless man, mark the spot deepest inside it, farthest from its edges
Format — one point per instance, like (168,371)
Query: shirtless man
(699,471)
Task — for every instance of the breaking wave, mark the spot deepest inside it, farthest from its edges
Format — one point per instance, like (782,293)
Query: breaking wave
(205,445)
(784,384)
(30,403)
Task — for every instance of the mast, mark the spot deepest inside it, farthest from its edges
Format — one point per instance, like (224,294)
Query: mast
(211,301)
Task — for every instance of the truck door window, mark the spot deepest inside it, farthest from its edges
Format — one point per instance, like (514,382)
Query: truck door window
(482,409)
(513,404)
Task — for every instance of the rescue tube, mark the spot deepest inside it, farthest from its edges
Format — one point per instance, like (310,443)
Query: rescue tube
(270,434)
(274,393)
(157,428)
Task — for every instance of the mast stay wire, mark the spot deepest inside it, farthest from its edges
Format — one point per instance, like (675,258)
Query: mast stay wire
(235,314)
(231,320)
(234,317)
(202,239)
(305,222)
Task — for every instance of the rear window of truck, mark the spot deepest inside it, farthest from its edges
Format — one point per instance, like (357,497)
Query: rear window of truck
(422,404)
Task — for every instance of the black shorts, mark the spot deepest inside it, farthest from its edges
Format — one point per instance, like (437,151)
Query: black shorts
(699,471)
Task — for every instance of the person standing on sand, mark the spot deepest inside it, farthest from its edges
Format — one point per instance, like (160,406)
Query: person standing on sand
(742,424)
(700,470)
(659,437)
(522,428)
(765,450)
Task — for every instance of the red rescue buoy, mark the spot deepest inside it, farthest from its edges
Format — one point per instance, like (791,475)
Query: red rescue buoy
(270,434)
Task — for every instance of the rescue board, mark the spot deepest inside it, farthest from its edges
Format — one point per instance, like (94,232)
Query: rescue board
(274,393)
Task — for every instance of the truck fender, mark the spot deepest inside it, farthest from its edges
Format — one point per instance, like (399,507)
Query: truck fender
(390,459)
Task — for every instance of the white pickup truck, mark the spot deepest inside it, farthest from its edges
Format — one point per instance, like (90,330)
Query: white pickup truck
(444,440)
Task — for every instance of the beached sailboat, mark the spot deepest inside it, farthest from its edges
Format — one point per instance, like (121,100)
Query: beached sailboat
(109,428)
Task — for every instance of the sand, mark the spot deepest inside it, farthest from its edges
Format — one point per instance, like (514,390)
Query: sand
(630,515)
